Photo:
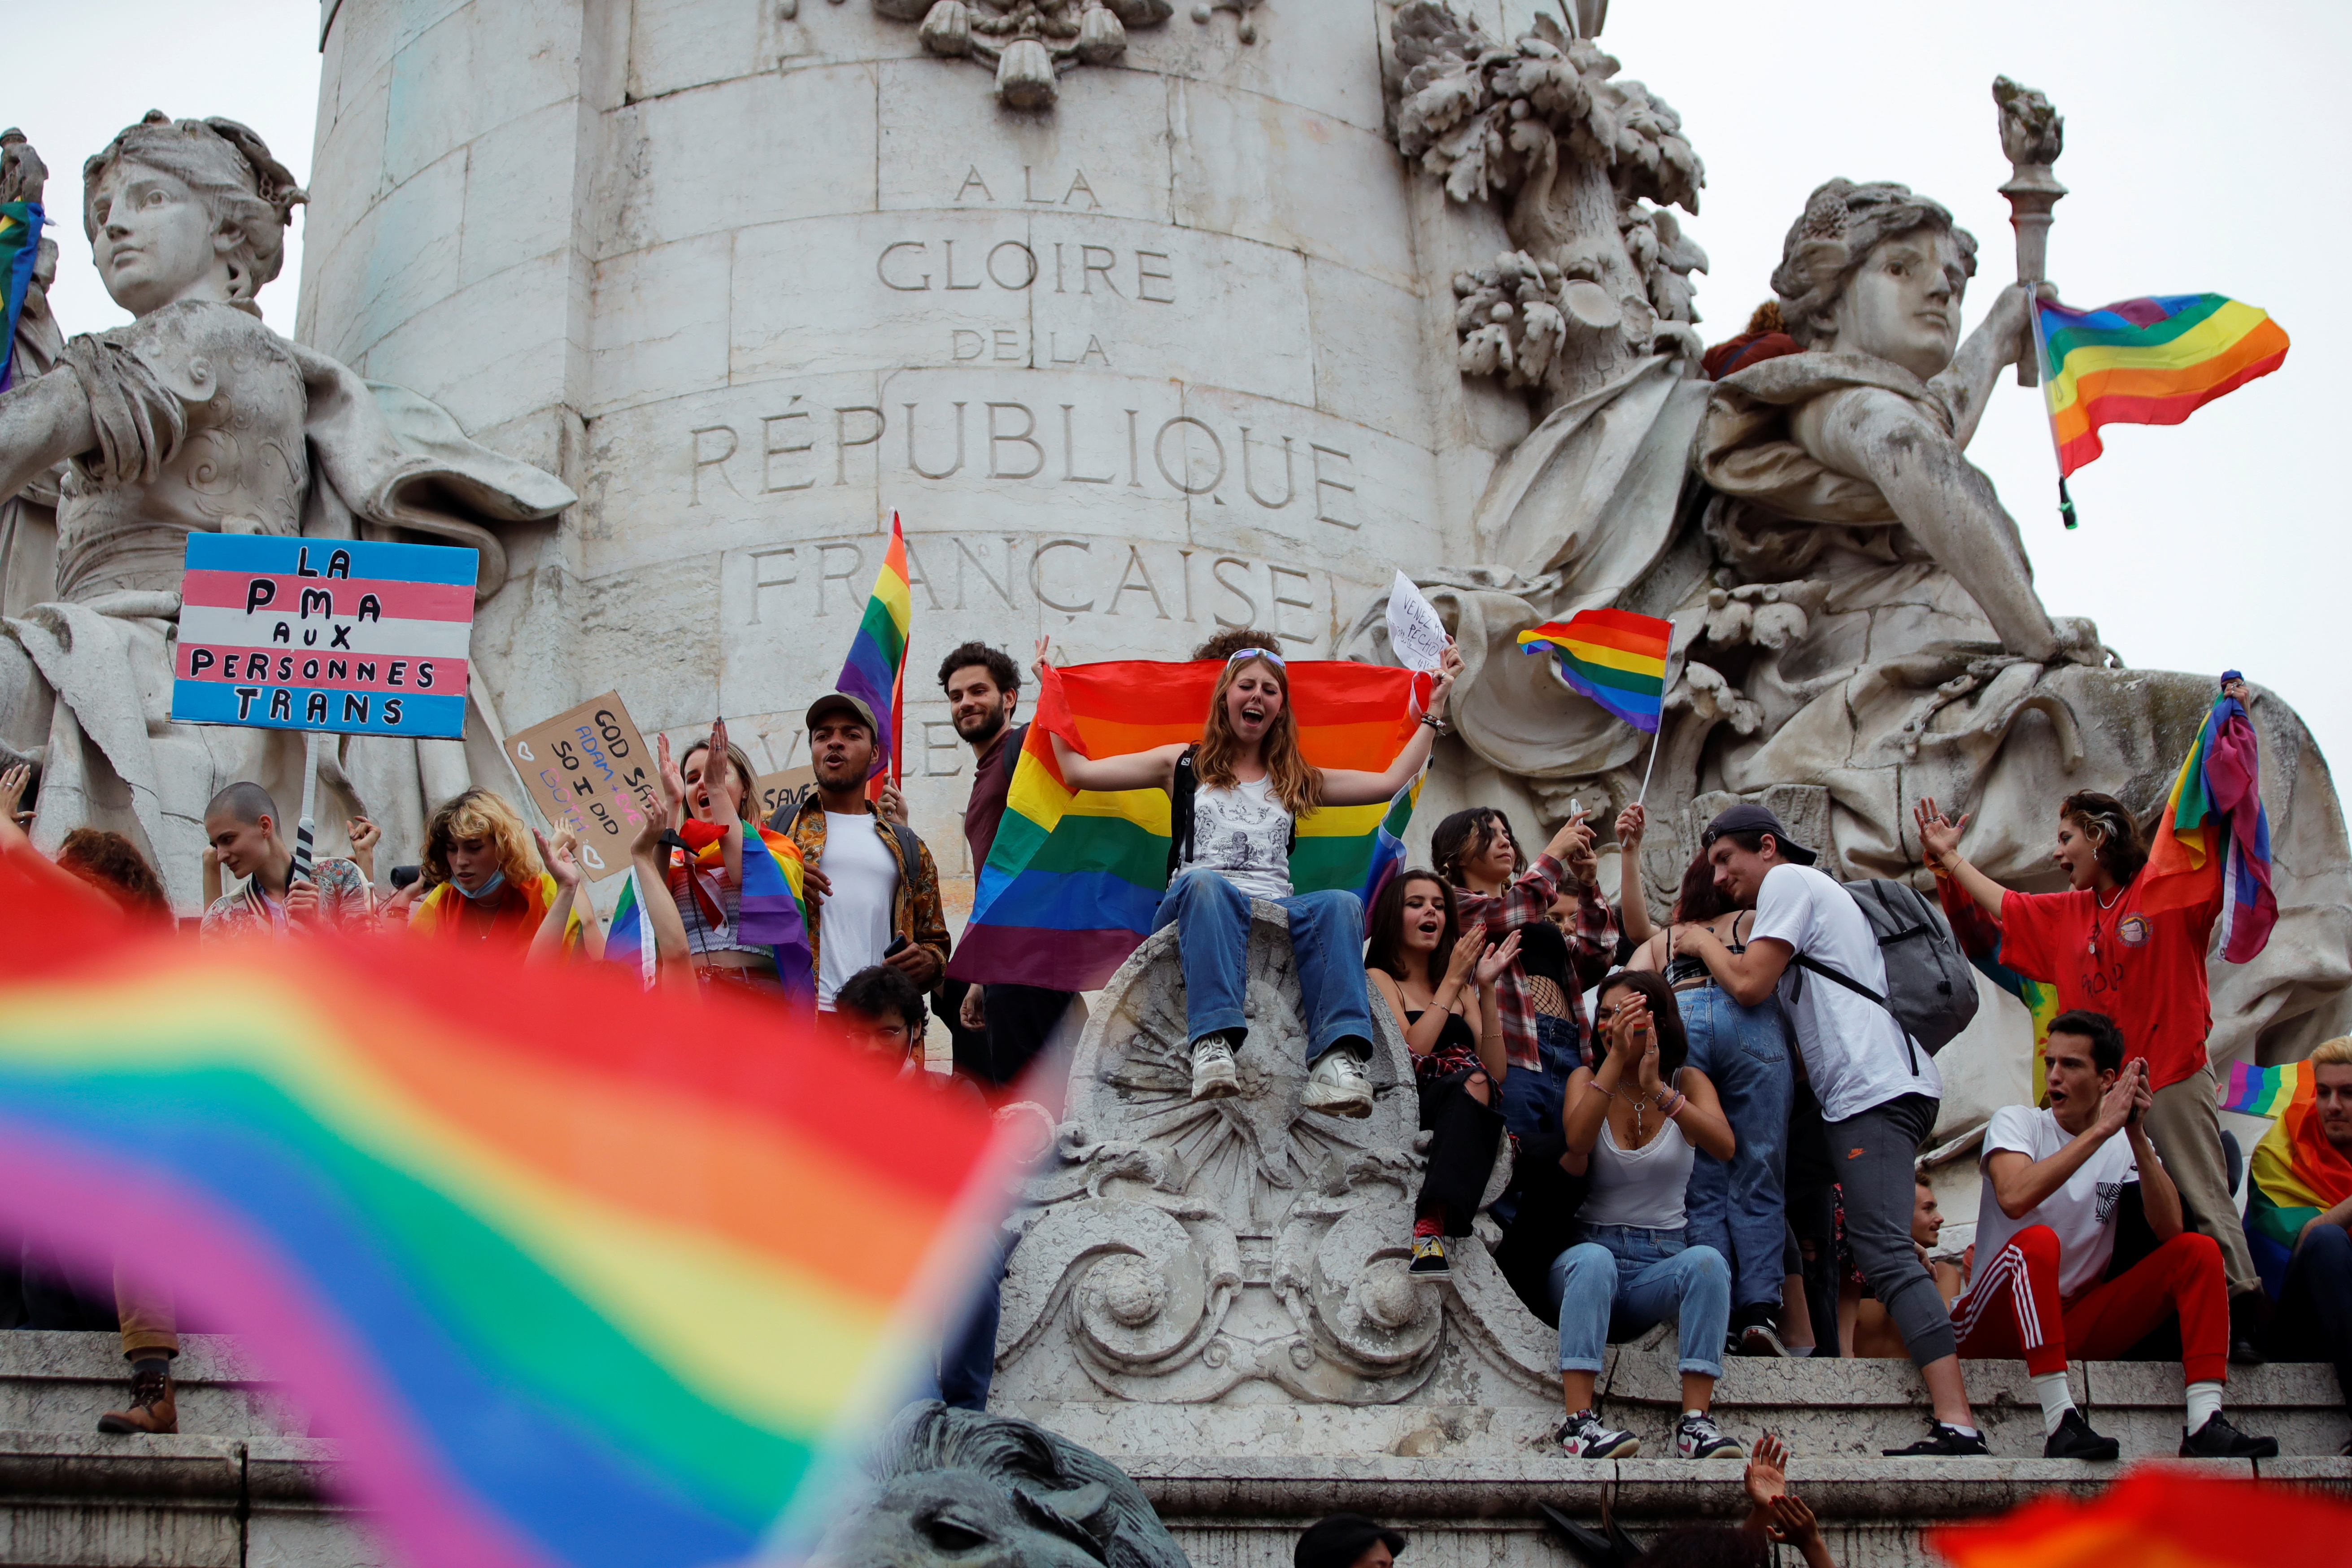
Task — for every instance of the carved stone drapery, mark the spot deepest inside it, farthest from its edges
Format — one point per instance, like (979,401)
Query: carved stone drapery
(1031,42)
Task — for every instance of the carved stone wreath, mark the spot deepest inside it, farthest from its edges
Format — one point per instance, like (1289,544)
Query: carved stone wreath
(1030,42)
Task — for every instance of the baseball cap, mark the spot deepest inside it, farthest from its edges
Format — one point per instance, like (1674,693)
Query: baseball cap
(839,701)
(1747,817)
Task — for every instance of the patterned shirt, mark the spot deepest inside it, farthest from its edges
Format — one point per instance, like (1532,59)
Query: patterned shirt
(915,912)
(1591,945)
(344,899)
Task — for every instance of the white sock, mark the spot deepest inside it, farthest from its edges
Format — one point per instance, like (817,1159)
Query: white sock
(2204,1404)
(1687,1415)
(2056,1400)
(1800,1350)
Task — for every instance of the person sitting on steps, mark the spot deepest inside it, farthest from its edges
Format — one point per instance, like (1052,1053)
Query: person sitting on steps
(1458,1064)
(1253,785)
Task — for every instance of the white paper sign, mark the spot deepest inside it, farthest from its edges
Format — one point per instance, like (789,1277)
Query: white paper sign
(1414,631)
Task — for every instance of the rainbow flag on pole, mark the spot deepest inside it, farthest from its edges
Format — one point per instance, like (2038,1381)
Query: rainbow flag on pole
(2147,362)
(1614,657)
(2213,839)
(876,669)
(1074,878)
(2294,1173)
(20,249)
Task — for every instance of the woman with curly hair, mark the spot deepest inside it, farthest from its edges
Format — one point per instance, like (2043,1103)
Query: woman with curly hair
(485,881)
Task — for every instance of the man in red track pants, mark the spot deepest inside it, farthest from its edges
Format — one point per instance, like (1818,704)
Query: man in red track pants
(2054,1181)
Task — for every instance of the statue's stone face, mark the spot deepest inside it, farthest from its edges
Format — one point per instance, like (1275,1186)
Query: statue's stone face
(1904,304)
(156,240)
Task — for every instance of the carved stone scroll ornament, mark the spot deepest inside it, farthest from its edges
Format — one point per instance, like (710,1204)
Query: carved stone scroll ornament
(1177,1251)
(1031,42)
(1600,277)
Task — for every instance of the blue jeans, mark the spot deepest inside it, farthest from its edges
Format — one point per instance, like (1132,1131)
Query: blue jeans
(1532,1097)
(1327,942)
(1736,1207)
(967,1358)
(1622,1279)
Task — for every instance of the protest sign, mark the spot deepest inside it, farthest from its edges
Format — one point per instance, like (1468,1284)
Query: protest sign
(592,772)
(784,792)
(344,636)
(1414,631)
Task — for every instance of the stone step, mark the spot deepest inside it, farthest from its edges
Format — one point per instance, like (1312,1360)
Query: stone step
(53,1381)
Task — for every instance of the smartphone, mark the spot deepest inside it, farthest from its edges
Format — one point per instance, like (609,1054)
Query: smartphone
(899,944)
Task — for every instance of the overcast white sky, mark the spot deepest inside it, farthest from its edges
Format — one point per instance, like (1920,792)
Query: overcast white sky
(2203,148)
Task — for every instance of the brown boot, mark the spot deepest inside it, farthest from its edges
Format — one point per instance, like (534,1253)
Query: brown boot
(151,1406)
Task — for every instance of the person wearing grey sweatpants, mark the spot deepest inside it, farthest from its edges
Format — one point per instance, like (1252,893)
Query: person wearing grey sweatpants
(1879,1092)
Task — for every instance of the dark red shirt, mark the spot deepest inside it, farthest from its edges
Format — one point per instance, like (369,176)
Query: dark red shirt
(992,778)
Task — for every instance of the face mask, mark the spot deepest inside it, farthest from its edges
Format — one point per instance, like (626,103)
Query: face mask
(498,880)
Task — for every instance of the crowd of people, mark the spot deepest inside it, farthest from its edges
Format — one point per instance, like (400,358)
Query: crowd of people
(1716,1116)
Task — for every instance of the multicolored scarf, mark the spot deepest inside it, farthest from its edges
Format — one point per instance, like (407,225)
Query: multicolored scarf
(2295,1175)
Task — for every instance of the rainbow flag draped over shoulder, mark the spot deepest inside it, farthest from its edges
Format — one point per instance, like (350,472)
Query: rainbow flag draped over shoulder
(2148,362)
(770,913)
(20,247)
(1614,657)
(2213,839)
(2294,1172)
(2158,1516)
(513,1234)
(1074,877)
(876,669)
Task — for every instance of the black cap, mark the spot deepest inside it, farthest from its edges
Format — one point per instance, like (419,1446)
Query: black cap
(1749,818)
(1341,1540)
(841,702)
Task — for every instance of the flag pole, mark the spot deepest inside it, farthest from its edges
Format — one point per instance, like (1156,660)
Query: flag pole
(2050,414)
(306,828)
(1660,730)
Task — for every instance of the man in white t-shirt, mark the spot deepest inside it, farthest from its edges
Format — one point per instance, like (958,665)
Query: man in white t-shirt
(1878,1091)
(2055,1182)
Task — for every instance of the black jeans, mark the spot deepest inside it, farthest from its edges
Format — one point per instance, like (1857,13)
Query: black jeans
(2315,1317)
(1463,1135)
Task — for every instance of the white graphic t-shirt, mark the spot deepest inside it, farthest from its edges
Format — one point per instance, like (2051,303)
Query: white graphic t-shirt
(2082,1213)
(1243,833)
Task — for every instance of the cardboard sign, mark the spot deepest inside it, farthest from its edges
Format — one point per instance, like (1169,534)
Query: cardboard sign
(592,772)
(784,792)
(344,635)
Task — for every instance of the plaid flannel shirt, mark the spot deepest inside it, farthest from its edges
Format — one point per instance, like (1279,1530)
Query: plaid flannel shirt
(1591,945)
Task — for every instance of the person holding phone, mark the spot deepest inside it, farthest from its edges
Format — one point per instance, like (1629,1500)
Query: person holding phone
(2056,1184)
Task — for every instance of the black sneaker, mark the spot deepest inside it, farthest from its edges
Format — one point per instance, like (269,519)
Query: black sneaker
(2249,1319)
(1428,1259)
(1582,1437)
(1943,1441)
(1758,1339)
(2076,1440)
(2217,1440)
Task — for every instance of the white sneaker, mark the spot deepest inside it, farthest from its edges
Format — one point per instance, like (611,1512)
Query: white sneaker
(1582,1437)
(1699,1438)
(1214,1076)
(1337,1086)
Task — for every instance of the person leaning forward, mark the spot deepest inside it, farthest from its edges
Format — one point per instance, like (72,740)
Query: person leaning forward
(863,894)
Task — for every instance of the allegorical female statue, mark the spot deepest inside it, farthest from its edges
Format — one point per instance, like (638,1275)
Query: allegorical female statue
(196,416)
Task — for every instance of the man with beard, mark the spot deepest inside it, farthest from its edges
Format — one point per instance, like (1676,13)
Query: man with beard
(1003,1026)
(871,881)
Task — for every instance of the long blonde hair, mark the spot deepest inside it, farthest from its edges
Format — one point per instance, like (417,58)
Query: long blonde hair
(1297,783)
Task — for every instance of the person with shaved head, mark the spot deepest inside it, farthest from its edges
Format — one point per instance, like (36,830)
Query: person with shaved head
(242,826)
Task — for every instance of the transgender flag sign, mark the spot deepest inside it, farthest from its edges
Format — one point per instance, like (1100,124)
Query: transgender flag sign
(338,635)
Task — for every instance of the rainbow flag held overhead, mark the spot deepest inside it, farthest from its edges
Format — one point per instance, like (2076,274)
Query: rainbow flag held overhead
(1614,657)
(20,249)
(1074,878)
(2147,362)
(512,1234)
(876,669)
(2294,1173)
(2263,1091)
(2158,1515)
(2213,839)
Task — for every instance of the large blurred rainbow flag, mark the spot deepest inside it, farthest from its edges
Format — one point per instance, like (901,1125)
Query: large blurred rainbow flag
(576,1275)
(1073,880)
(1614,657)
(876,669)
(2158,1516)
(2294,1172)
(2148,362)
(2213,839)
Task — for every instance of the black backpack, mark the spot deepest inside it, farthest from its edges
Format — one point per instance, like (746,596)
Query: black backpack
(1180,791)
(1931,989)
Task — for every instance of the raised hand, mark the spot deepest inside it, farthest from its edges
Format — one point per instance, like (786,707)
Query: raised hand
(892,805)
(1463,959)
(1939,835)
(365,836)
(1449,667)
(1631,823)
(560,856)
(1793,1523)
(1045,658)
(2143,1096)
(12,794)
(2120,1102)
(1767,1476)
(673,784)
(1497,959)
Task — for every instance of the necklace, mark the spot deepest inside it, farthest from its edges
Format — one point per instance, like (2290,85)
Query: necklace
(2104,905)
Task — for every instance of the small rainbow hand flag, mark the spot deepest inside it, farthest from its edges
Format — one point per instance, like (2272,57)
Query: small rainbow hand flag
(2148,362)
(1614,657)
(20,247)
(2263,1091)
(876,668)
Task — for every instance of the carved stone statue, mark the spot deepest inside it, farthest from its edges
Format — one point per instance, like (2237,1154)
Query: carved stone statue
(198,418)
(1856,619)
(955,1487)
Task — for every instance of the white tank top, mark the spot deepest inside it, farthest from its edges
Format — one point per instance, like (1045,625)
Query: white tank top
(1243,834)
(1640,1187)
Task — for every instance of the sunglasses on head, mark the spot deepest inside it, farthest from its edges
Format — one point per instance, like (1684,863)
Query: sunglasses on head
(1265,653)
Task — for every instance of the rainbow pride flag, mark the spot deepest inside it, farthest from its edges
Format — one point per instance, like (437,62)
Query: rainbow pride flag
(1614,657)
(2294,1175)
(876,669)
(1980,938)
(1074,877)
(770,912)
(2263,1091)
(20,249)
(2147,362)
(578,1276)
(629,938)
(2158,1515)
(2213,839)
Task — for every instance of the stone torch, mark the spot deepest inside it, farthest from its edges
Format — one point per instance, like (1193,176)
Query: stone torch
(2033,134)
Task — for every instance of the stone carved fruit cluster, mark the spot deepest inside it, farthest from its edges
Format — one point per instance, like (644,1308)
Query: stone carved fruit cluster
(1028,41)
